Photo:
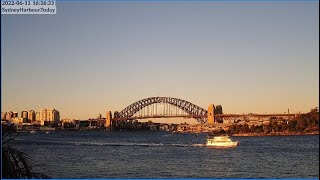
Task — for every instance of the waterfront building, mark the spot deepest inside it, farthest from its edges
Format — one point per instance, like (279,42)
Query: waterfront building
(3,115)
(16,120)
(56,116)
(43,116)
(49,116)
(53,115)
(32,116)
(197,128)
(183,128)
(15,115)
(229,121)
(38,116)
(24,114)
(9,115)
(67,120)
(167,127)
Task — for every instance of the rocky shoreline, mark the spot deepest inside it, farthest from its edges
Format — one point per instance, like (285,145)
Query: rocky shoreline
(278,134)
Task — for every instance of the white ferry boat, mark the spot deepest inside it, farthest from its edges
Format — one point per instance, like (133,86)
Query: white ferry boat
(221,142)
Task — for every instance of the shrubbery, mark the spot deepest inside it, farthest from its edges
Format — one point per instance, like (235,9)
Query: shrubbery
(302,123)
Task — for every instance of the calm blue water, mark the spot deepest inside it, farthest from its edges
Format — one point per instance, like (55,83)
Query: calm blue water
(165,155)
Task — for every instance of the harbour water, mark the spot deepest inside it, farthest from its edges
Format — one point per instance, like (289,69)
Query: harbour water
(86,154)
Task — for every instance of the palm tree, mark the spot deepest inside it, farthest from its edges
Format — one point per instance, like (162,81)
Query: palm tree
(15,164)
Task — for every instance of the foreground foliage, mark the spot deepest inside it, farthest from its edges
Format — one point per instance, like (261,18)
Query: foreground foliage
(15,164)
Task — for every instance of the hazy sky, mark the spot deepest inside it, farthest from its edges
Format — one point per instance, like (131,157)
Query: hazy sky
(92,57)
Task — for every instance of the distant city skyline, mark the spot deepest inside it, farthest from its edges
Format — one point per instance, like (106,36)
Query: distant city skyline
(89,58)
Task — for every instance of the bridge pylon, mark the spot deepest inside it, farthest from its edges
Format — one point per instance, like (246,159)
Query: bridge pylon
(108,122)
(210,114)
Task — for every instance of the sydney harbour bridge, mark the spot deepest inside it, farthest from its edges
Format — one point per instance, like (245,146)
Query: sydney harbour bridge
(168,107)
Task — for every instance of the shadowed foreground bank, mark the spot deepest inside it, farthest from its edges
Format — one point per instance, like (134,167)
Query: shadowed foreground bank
(15,164)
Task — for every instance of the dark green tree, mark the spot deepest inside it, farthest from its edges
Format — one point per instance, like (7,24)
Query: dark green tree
(302,123)
(245,128)
(259,129)
(253,128)
(237,129)
(274,125)
(267,128)
(15,164)
(292,125)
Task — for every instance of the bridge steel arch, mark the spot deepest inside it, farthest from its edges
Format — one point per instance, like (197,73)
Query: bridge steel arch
(193,110)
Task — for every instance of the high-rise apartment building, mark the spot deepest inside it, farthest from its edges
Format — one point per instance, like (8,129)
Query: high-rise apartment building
(53,115)
(38,116)
(9,115)
(24,114)
(49,115)
(43,115)
(15,115)
(32,116)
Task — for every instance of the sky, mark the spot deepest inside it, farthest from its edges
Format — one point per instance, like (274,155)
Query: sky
(91,57)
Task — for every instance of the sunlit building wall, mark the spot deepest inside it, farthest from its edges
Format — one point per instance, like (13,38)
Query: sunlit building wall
(24,114)
(32,116)
(53,115)
(43,116)
(15,115)
(9,115)
(16,120)
(50,115)
(38,116)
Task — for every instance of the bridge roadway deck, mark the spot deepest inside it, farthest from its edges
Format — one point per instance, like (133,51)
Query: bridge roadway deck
(194,116)
(255,115)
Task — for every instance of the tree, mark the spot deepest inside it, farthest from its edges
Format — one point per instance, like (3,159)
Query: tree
(253,128)
(245,128)
(314,114)
(292,125)
(259,129)
(15,164)
(237,129)
(274,126)
(231,128)
(285,127)
(313,117)
(267,128)
(302,123)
